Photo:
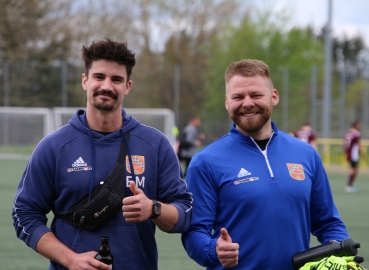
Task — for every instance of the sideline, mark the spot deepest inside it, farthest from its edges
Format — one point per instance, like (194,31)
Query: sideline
(344,169)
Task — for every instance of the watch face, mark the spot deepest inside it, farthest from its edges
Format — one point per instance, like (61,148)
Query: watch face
(156,209)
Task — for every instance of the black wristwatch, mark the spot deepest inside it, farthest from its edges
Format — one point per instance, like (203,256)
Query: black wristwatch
(156,209)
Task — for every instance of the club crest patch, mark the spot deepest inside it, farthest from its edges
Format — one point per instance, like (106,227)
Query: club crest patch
(296,171)
(138,164)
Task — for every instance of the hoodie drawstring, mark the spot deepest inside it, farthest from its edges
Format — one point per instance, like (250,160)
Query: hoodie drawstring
(92,179)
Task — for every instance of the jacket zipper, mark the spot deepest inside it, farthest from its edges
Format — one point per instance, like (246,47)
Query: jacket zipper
(265,155)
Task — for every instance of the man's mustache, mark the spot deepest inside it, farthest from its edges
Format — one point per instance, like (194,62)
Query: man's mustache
(106,93)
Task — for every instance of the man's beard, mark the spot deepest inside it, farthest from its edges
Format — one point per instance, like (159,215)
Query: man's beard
(104,105)
(251,125)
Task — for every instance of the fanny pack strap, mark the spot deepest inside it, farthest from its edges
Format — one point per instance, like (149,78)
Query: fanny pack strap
(121,159)
(126,140)
(123,149)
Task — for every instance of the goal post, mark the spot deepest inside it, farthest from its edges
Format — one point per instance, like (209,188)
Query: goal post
(160,118)
(22,128)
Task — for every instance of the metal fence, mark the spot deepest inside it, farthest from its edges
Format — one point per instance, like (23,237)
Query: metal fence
(32,84)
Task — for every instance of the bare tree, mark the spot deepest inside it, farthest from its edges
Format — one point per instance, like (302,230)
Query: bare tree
(19,21)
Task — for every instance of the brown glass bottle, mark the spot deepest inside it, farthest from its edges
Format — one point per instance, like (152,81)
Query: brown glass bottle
(104,254)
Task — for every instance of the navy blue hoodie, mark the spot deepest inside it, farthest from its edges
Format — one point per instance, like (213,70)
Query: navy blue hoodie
(58,174)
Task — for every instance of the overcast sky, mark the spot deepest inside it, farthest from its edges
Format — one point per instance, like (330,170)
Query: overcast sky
(348,16)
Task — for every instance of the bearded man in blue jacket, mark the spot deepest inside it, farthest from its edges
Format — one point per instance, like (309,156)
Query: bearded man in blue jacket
(64,164)
(258,192)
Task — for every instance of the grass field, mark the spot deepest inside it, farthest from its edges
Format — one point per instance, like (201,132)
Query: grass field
(15,255)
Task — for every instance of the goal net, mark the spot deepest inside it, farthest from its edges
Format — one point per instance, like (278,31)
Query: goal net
(22,128)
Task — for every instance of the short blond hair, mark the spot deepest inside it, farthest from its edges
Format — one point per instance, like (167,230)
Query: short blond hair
(247,67)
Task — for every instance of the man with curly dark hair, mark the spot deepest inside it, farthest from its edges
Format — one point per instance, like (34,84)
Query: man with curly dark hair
(80,155)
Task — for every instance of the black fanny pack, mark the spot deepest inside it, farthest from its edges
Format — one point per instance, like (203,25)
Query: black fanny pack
(92,211)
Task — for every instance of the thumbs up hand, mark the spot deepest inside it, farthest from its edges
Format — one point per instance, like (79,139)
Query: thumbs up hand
(138,207)
(226,250)
(135,190)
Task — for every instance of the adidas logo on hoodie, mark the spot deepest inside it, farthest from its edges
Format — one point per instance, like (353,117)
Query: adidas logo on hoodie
(79,163)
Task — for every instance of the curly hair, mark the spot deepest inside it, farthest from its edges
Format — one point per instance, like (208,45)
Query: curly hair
(111,51)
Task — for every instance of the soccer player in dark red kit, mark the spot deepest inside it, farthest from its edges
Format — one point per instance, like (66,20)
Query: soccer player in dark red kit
(352,150)
(306,134)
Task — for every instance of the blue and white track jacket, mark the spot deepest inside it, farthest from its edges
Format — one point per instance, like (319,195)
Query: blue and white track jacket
(269,201)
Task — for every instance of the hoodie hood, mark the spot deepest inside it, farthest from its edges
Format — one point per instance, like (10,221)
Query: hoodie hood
(79,122)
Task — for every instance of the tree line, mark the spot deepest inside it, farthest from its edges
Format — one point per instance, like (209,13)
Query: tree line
(198,37)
